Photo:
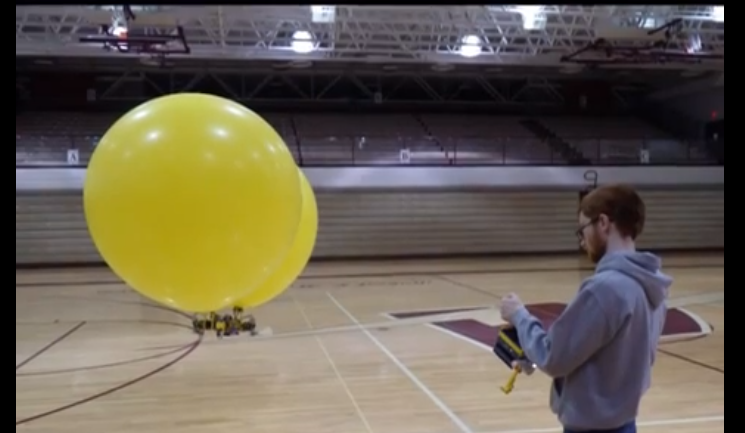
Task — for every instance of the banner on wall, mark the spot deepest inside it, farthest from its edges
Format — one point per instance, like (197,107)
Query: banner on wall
(73,157)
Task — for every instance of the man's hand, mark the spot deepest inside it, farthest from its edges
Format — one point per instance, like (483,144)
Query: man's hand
(525,366)
(510,305)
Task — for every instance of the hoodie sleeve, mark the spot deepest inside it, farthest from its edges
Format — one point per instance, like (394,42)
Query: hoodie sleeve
(580,331)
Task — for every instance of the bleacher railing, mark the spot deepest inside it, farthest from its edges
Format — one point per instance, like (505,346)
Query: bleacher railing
(62,150)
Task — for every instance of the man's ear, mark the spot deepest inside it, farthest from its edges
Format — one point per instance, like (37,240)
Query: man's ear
(603,221)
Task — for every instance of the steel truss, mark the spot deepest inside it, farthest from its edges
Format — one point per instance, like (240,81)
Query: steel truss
(423,34)
(343,88)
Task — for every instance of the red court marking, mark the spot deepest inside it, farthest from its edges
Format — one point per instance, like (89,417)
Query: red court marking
(679,322)
(51,344)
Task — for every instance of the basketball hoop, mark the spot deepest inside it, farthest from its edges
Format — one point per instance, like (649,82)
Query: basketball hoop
(155,59)
(120,32)
(118,38)
(152,60)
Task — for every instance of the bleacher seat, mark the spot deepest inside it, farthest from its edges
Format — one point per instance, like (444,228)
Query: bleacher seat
(376,125)
(620,140)
(486,139)
(365,139)
(48,135)
(334,139)
(618,128)
(465,126)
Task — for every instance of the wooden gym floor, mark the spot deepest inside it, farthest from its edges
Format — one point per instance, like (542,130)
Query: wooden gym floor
(92,357)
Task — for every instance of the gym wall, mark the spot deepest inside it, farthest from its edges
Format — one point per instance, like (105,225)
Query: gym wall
(51,229)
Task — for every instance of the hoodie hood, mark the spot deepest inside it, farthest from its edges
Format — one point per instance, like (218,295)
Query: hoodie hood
(645,268)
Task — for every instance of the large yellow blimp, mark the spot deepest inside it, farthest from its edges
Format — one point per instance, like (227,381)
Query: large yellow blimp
(192,200)
(296,260)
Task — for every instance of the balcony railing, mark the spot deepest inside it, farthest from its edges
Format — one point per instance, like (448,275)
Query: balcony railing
(66,150)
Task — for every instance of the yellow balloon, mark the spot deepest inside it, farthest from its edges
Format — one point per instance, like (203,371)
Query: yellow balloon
(192,200)
(296,260)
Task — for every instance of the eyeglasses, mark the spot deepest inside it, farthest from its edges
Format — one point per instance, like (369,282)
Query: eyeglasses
(581,231)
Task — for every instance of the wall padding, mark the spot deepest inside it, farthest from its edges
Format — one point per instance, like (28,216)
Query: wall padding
(684,219)
(432,222)
(50,228)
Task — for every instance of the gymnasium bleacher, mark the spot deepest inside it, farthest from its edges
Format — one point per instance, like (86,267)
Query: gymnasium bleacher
(328,139)
(618,140)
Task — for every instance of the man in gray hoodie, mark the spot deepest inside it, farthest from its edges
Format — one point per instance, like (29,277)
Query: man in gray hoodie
(600,351)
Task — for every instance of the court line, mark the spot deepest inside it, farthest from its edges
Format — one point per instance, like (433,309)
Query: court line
(189,350)
(184,354)
(416,273)
(693,300)
(685,301)
(654,423)
(703,299)
(107,365)
(692,361)
(455,419)
(50,345)
(338,374)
